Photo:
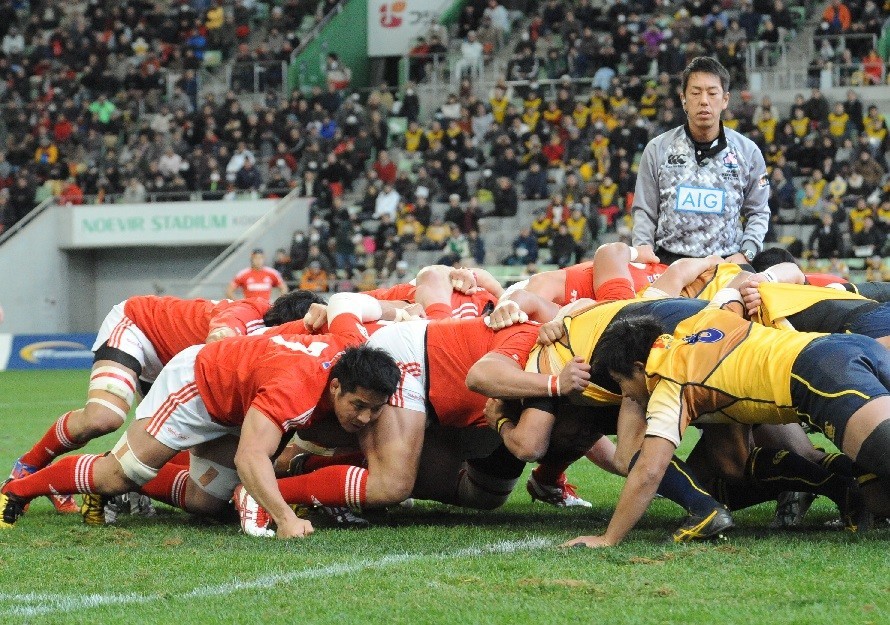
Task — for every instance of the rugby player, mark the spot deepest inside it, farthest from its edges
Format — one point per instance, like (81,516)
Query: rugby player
(717,365)
(137,338)
(229,403)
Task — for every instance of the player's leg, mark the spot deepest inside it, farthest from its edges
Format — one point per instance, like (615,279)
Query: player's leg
(867,442)
(392,447)
(121,353)
(134,461)
(212,477)
(842,382)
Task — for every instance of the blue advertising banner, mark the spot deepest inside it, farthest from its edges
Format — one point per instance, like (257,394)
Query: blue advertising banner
(51,351)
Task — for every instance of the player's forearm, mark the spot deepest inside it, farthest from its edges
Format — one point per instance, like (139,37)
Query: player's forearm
(488,282)
(640,488)
(528,439)
(499,380)
(537,308)
(789,273)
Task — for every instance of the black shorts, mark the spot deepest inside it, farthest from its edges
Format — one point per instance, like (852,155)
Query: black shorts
(836,375)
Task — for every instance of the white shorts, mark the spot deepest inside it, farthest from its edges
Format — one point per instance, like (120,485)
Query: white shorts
(406,343)
(121,333)
(178,416)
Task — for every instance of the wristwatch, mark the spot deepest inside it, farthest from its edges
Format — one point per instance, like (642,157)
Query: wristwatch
(749,254)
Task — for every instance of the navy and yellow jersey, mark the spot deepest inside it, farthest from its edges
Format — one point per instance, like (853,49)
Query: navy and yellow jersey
(584,329)
(718,368)
(649,105)
(706,285)
(837,124)
(809,308)
(499,108)
(800,126)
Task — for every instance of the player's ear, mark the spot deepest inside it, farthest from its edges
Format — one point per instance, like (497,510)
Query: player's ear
(334,386)
(639,367)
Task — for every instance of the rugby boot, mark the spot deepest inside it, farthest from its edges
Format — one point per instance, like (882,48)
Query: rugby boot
(64,504)
(704,527)
(254,519)
(855,516)
(562,494)
(790,509)
(11,508)
(343,517)
(92,509)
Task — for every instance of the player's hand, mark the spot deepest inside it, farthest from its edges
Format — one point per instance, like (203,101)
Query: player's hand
(574,377)
(414,311)
(494,410)
(505,314)
(750,291)
(219,334)
(646,255)
(316,317)
(463,281)
(297,528)
(737,258)
(551,332)
(594,542)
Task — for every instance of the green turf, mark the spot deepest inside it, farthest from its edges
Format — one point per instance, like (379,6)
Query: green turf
(428,564)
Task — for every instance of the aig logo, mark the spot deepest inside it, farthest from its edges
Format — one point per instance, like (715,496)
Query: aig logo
(699,200)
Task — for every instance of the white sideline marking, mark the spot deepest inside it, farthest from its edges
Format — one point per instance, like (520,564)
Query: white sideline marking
(51,603)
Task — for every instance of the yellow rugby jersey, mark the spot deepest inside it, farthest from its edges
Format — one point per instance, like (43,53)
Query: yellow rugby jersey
(732,124)
(781,302)
(583,330)
(532,103)
(768,128)
(581,114)
(717,368)
(499,108)
(837,124)
(800,126)
(413,139)
(649,105)
(708,283)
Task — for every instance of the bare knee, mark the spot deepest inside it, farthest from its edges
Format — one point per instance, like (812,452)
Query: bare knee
(96,420)
(387,489)
(109,477)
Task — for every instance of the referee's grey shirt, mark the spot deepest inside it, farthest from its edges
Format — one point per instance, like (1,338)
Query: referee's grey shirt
(696,205)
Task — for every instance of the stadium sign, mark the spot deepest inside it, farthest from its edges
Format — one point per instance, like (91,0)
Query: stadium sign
(395,25)
(46,351)
(162,223)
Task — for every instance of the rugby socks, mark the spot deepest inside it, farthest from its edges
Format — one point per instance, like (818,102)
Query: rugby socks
(786,471)
(169,485)
(55,442)
(183,458)
(338,485)
(841,465)
(680,486)
(72,474)
(550,472)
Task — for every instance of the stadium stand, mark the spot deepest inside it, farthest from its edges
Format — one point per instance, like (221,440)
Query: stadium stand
(529,114)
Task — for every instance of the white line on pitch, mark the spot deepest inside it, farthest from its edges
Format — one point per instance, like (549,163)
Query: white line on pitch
(49,604)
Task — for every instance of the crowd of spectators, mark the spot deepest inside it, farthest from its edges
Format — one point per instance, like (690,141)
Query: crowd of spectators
(572,145)
(89,114)
(100,100)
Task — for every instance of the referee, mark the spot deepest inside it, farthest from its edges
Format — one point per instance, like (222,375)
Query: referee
(701,188)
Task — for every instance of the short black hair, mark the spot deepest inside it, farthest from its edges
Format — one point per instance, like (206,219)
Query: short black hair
(706,65)
(772,256)
(625,342)
(291,306)
(369,368)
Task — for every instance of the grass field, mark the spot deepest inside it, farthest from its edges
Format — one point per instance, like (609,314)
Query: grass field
(427,564)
